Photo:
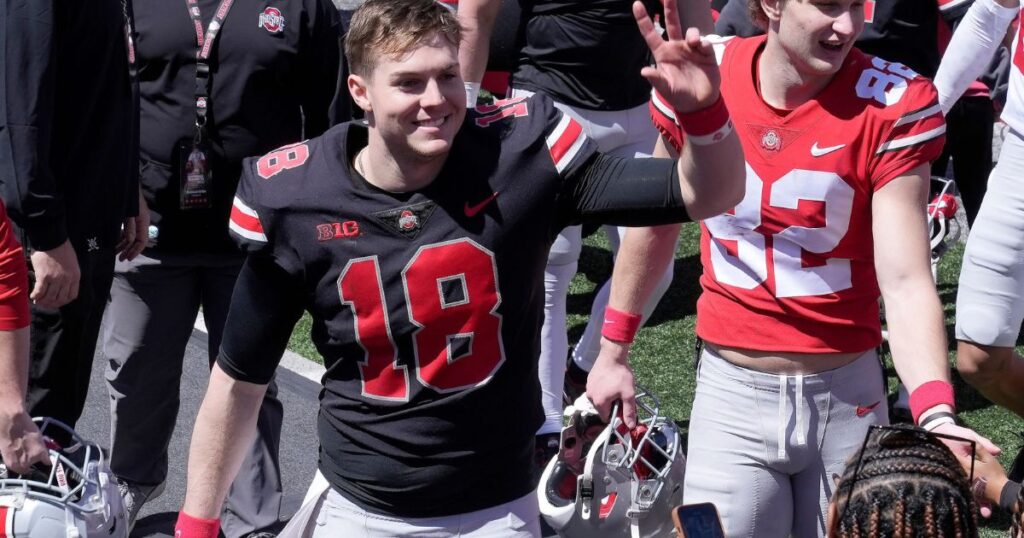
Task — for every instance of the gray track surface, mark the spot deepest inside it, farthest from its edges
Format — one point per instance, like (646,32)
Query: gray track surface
(298,446)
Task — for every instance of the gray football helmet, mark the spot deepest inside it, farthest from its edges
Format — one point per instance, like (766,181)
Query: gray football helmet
(75,497)
(608,481)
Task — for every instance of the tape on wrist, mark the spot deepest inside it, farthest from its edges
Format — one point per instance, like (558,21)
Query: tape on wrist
(472,92)
(708,125)
(620,326)
(935,420)
(195,527)
(928,396)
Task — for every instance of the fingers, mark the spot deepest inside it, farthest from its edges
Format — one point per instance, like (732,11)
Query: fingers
(656,80)
(646,26)
(629,410)
(128,236)
(988,445)
(22,452)
(141,238)
(604,408)
(673,28)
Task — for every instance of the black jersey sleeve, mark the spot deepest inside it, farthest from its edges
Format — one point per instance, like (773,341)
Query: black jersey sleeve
(258,222)
(322,68)
(27,103)
(265,305)
(625,192)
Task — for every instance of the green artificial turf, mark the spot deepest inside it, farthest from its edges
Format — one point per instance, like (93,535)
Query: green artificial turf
(663,353)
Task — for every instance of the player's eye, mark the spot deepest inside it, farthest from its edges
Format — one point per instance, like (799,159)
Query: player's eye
(407,83)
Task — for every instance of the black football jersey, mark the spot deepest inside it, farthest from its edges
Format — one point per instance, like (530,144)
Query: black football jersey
(426,306)
(558,41)
(906,31)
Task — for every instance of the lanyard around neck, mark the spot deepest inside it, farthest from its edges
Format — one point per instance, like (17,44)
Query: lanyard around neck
(204,46)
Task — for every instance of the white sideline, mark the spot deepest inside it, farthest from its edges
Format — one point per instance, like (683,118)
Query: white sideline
(289,361)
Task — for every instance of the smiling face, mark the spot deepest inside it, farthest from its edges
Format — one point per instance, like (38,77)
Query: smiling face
(415,101)
(817,35)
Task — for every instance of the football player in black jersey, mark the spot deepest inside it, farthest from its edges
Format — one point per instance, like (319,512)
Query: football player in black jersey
(417,242)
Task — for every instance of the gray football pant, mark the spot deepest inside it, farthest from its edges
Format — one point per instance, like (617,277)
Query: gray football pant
(990,295)
(153,304)
(763,447)
(337,517)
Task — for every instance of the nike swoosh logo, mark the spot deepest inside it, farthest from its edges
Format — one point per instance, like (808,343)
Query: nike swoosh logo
(472,210)
(818,152)
(865,409)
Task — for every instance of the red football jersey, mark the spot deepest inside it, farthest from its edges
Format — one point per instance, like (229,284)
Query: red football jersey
(791,268)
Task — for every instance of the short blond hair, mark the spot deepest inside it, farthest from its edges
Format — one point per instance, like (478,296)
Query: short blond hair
(382,28)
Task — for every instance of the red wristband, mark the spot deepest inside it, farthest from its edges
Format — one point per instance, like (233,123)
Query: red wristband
(194,527)
(928,396)
(620,326)
(707,125)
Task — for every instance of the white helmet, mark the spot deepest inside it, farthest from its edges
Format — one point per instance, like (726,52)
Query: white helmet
(76,497)
(609,481)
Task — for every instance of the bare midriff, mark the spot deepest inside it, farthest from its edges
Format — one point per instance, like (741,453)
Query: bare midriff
(783,363)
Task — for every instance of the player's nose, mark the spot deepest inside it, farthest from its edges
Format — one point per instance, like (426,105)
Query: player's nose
(846,24)
(433,94)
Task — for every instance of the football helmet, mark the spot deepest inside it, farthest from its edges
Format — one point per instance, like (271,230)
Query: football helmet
(75,497)
(943,228)
(608,480)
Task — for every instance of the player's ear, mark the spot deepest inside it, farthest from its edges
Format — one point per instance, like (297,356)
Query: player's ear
(772,9)
(357,87)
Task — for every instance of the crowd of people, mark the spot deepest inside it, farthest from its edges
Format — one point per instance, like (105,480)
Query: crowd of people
(162,157)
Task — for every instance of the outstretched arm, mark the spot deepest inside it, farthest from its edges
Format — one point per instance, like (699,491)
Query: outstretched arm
(686,76)
(917,334)
(477,20)
(969,52)
(644,253)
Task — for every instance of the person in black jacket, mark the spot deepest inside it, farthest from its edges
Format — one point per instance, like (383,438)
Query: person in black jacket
(69,178)
(265,75)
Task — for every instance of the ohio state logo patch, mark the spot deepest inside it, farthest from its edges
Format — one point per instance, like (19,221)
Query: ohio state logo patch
(771,141)
(408,220)
(271,20)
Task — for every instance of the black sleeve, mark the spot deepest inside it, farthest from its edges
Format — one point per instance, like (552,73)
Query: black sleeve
(265,305)
(322,59)
(28,62)
(625,192)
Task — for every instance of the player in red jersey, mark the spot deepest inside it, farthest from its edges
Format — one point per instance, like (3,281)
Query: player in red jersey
(21,445)
(837,145)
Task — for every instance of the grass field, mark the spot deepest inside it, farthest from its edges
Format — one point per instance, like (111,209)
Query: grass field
(663,352)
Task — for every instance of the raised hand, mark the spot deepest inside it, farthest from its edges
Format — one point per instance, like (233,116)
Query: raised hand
(685,71)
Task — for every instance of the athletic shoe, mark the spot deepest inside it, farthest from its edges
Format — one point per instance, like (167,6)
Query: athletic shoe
(134,496)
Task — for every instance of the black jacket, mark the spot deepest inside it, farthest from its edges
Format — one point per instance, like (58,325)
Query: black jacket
(273,75)
(68,123)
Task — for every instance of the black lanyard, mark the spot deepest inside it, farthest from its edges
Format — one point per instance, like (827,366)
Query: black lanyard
(204,44)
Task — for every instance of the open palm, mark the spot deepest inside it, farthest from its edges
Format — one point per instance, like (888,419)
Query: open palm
(685,71)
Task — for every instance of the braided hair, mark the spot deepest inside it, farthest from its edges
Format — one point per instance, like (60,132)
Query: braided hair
(907,484)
